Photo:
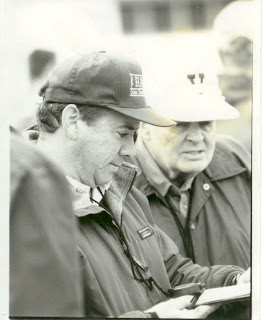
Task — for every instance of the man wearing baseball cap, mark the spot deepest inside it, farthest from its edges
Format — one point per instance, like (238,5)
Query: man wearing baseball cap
(92,106)
(198,183)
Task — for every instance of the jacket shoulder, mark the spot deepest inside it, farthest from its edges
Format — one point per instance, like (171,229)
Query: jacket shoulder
(231,148)
(27,161)
(230,159)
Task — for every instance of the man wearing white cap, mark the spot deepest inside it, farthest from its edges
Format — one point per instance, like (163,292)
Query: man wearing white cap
(198,183)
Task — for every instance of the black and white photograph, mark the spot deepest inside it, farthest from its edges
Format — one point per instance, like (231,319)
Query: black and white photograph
(130,171)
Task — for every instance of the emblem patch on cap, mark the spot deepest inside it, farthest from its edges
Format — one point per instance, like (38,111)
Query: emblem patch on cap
(197,82)
(145,232)
(136,85)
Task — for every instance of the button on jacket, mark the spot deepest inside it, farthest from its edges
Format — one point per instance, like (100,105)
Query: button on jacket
(217,228)
(127,263)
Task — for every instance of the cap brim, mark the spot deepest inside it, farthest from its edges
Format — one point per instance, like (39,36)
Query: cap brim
(145,114)
(201,111)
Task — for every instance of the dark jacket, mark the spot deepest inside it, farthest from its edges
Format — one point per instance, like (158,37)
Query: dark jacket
(120,245)
(44,273)
(217,229)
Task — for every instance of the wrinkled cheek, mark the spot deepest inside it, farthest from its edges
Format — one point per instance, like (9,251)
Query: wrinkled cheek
(99,172)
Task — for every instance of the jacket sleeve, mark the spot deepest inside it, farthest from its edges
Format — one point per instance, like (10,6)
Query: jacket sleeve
(182,270)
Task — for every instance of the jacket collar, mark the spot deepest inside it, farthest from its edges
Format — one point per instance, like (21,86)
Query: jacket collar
(149,174)
(224,163)
(114,196)
(151,179)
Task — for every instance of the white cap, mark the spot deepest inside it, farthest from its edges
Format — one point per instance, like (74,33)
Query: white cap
(198,98)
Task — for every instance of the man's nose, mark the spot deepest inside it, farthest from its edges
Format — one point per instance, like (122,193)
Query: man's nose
(128,149)
(195,133)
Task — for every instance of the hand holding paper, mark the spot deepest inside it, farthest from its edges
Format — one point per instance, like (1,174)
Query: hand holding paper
(208,302)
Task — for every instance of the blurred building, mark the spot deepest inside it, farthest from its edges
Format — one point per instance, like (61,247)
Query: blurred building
(142,16)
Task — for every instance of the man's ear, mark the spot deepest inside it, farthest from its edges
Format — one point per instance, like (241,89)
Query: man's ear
(144,131)
(70,117)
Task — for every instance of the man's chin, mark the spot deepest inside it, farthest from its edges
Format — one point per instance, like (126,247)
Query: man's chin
(193,169)
(104,180)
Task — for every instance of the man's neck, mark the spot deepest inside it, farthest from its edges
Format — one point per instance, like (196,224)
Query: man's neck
(50,145)
(177,178)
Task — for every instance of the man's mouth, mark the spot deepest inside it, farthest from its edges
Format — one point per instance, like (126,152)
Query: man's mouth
(194,152)
(116,165)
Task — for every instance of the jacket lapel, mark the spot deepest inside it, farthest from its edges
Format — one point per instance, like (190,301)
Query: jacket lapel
(118,190)
(201,193)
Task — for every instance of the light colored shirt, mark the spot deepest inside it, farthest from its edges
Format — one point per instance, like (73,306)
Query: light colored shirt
(184,196)
(84,196)
(180,197)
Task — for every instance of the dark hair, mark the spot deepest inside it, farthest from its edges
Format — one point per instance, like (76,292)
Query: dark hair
(49,115)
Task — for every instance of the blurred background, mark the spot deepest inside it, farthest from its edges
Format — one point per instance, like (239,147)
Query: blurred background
(168,37)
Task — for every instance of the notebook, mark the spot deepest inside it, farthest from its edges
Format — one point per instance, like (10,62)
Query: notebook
(225,294)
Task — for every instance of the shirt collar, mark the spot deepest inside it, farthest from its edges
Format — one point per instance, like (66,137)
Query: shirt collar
(82,194)
(187,184)
(115,193)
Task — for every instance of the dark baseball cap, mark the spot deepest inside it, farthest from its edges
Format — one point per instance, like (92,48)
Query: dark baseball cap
(102,79)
